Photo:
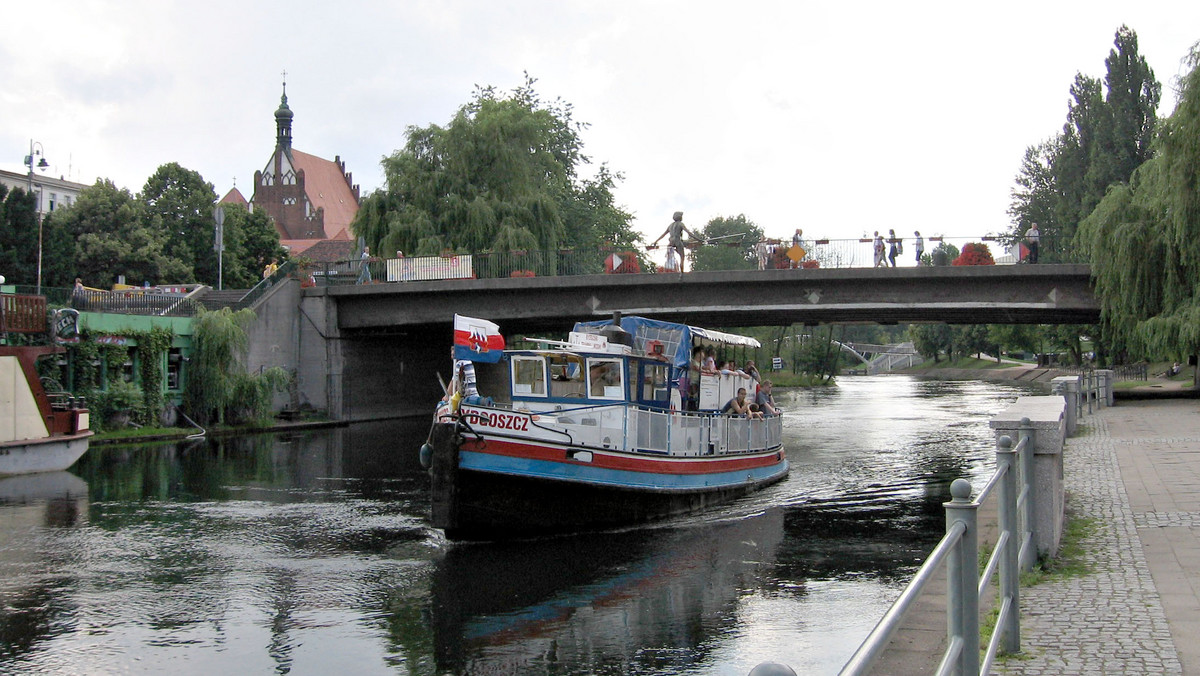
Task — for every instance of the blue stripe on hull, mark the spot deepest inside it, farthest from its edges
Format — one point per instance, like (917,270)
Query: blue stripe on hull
(615,478)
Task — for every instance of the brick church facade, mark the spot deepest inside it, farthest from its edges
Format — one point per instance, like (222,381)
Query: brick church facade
(309,198)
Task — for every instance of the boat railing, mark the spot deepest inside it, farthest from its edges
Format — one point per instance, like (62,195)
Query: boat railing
(692,433)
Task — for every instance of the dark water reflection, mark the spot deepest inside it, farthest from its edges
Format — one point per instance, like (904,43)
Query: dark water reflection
(311,553)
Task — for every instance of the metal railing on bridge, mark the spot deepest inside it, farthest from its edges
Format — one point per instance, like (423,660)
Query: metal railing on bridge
(819,253)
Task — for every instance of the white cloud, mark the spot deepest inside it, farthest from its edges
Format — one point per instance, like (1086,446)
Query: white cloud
(836,118)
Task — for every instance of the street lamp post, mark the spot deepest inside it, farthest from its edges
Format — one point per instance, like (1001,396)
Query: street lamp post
(31,161)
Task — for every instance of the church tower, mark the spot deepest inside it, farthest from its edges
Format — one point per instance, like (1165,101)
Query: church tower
(309,198)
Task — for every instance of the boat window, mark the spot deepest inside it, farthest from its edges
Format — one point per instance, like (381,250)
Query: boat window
(656,382)
(566,376)
(529,376)
(605,379)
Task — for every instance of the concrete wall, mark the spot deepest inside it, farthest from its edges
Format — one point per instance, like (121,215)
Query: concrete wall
(274,338)
(349,376)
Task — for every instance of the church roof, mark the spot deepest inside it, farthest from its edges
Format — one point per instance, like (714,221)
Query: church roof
(234,196)
(322,250)
(326,187)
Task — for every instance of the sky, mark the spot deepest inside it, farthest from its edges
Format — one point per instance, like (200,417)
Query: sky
(838,118)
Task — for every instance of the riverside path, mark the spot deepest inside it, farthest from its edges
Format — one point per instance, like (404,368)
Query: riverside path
(1135,473)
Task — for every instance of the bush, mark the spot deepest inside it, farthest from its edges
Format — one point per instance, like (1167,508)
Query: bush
(117,405)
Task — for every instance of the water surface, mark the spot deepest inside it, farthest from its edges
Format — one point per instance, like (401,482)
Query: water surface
(311,554)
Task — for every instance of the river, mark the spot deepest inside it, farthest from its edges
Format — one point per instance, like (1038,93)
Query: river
(311,553)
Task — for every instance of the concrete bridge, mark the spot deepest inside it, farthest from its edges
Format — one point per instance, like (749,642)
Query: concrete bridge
(370,351)
(1009,294)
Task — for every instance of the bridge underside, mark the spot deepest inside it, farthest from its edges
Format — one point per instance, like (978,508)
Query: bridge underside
(1014,294)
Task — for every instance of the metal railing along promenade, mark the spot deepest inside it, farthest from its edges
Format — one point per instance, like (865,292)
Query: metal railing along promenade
(966,587)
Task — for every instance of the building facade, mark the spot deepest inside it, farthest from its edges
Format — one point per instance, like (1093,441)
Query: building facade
(309,198)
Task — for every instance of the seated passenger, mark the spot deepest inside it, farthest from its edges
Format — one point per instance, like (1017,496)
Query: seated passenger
(765,401)
(738,405)
(755,412)
(709,365)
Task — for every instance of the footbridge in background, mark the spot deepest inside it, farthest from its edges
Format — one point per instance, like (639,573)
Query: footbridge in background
(993,294)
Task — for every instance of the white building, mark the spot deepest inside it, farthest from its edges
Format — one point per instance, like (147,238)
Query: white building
(51,192)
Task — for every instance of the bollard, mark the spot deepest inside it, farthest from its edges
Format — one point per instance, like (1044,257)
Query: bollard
(1006,462)
(772,669)
(1029,515)
(962,578)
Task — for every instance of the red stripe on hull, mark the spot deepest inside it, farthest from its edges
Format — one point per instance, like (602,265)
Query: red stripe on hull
(614,460)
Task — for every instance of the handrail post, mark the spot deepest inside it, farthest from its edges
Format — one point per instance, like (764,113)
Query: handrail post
(1026,433)
(1010,588)
(962,578)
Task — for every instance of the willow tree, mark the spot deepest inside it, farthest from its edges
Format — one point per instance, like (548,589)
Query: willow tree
(1143,240)
(506,173)
(219,389)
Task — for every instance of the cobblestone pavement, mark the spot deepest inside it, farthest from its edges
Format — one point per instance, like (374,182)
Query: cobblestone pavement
(1110,621)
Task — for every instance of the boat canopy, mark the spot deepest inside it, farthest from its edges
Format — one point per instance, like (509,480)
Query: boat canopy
(677,339)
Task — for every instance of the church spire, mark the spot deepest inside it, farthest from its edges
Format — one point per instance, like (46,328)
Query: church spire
(283,122)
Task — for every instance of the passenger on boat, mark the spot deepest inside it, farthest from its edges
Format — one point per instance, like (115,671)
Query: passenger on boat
(765,401)
(709,366)
(730,369)
(752,369)
(738,405)
(755,412)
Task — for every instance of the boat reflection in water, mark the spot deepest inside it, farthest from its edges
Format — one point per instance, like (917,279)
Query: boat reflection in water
(31,505)
(638,602)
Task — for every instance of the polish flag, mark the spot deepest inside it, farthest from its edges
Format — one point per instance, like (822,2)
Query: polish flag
(477,340)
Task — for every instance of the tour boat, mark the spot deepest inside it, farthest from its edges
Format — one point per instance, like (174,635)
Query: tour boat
(39,432)
(599,431)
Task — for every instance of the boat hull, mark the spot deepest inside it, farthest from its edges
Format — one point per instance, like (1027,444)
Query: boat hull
(492,489)
(49,454)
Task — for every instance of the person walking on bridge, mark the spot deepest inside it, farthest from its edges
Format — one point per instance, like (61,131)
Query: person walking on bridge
(674,235)
(1033,238)
(919,246)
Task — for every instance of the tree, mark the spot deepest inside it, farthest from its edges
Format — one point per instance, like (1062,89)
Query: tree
(108,226)
(730,244)
(1133,97)
(503,174)
(251,242)
(1108,134)
(932,339)
(179,202)
(1143,240)
(974,253)
(18,238)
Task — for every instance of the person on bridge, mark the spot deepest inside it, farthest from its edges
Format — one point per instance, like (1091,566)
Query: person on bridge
(1033,238)
(879,260)
(919,246)
(674,235)
(896,247)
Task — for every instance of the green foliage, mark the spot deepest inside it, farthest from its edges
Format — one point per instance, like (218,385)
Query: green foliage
(120,401)
(502,175)
(1143,241)
(179,203)
(730,244)
(931,340)
(942,254)
(1107,135)
(218,387)
(18,237)
(152,348)
(251,242)
(108,227)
